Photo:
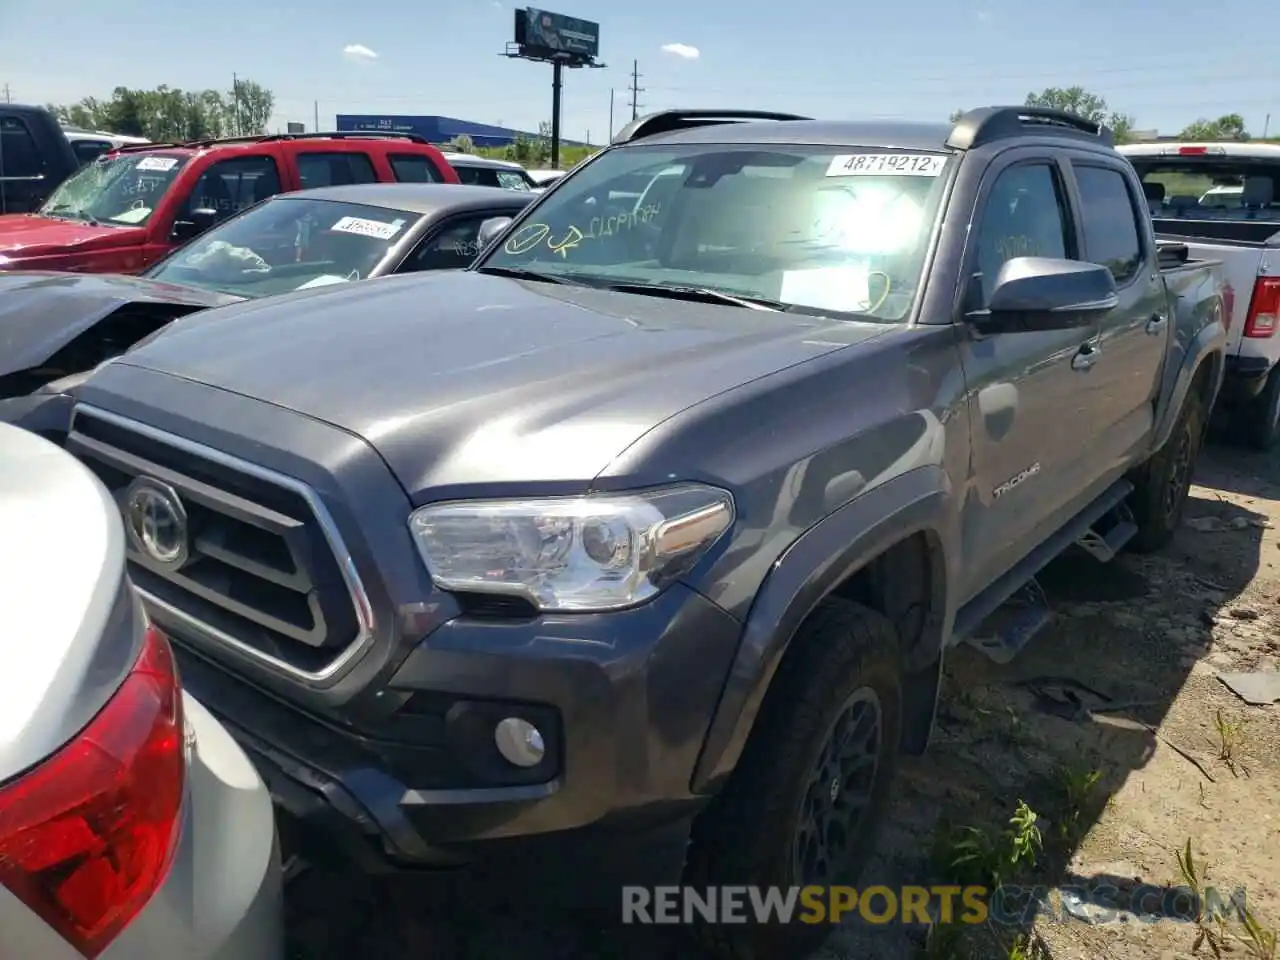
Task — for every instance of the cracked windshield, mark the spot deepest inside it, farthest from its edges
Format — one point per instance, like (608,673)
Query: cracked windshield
(666,481)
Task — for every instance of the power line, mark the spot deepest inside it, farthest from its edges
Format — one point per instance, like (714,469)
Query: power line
(635,88)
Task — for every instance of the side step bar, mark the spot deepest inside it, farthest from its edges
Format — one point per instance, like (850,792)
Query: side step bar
(1002,619)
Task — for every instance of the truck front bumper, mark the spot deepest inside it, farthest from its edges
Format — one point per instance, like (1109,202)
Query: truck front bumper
(623,702)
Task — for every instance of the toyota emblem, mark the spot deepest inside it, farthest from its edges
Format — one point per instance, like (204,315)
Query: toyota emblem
(157,521)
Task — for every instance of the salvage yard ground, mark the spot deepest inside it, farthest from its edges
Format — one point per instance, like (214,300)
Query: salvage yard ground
(1112,728)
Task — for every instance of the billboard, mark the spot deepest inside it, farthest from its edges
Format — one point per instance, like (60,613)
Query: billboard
(540,33)
(292,127)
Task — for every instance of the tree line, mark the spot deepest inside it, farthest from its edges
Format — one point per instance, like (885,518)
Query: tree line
(1077,100)
(168,113)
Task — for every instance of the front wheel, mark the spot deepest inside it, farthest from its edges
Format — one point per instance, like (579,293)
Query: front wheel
(803,804)
(1164,482)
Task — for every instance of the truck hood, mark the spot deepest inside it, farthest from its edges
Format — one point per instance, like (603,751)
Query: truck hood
(42,311)
(462,378)
(24,235)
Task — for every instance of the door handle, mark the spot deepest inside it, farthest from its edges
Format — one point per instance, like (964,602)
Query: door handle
(1156,324)
(1086,356)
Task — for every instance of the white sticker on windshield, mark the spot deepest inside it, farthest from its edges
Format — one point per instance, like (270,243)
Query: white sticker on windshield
(158,164)
(828,288)
(886,165)
(368,228)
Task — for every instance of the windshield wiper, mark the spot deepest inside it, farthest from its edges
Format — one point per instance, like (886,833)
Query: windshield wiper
(519,274)
(73,213)
(700,295)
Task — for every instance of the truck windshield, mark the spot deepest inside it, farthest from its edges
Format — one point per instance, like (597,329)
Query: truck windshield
(122,190)
(285,244)
(824,230)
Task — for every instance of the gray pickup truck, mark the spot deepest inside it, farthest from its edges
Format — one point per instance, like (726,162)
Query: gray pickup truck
(650,530)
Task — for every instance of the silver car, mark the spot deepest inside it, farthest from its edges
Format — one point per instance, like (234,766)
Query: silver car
(131,825)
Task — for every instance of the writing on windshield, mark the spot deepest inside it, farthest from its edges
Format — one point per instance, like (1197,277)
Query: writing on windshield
(597,228)
(821,229)
(124,189)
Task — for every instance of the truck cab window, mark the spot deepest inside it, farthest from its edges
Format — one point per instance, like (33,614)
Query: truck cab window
(1110,225)
(1025,216)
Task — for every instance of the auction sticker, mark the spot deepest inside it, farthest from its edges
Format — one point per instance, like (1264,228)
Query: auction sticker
(158,164)
(368,228)
(886,165)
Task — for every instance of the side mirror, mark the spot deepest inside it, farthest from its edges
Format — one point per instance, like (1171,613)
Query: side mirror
(1045,293)
(489,231)
(196,223)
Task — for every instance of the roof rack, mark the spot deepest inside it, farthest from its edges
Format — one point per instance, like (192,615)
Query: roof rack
(668,121)
(273,137)
(987,124)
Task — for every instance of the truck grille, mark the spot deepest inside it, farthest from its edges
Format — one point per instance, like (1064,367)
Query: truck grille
(249,559)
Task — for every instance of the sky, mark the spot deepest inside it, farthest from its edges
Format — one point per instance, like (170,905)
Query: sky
(912,59)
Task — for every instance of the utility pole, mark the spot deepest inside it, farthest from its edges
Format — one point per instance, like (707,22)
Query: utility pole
(235,99)
(610,140)
(7,98)
(635,89)
(1266,124)
(316,128)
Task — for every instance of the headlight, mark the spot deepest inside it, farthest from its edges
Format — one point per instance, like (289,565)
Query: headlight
(597,552)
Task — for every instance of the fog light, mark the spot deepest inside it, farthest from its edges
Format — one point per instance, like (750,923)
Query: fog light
(520,742)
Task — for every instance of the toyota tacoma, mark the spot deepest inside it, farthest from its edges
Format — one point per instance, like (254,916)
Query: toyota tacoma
(649,532)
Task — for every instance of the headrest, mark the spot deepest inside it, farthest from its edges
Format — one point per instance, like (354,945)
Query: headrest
(1258,191)
(1153,191)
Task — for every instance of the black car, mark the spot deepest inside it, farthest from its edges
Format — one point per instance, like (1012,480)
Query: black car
(57,327)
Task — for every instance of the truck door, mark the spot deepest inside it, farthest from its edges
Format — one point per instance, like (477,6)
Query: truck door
(23,181)
(1134,335)
(1028,390)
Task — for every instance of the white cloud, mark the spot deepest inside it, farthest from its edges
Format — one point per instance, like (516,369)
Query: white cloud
(682,50)
(984,15)
(358,51)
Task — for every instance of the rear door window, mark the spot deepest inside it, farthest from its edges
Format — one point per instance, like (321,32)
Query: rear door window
(414,168)
(19,156)
(1108,221)
(87,151)
(335,168)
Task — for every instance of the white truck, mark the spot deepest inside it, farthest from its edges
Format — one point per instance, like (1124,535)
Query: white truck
(1220,199)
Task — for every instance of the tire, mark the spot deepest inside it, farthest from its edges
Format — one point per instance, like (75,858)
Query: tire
(844,663)
(1261,427)
(1164,482)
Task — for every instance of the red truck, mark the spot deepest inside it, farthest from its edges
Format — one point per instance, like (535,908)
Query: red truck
(123,212)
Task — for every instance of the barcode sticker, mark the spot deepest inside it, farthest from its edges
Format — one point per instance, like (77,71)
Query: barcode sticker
(886,165)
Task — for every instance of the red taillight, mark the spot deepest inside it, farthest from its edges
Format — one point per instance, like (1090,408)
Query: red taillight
(1264,309)
(1192,151)
(89,835)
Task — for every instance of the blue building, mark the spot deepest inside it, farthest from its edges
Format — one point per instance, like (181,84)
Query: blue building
(437,129)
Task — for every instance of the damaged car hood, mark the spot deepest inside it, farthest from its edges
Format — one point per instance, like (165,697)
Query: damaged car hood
(43,311)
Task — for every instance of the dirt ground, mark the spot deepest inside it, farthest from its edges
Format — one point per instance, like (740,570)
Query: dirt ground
(1112,727)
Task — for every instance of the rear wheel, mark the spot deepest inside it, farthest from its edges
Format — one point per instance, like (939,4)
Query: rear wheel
(1164,482)
(803,804)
